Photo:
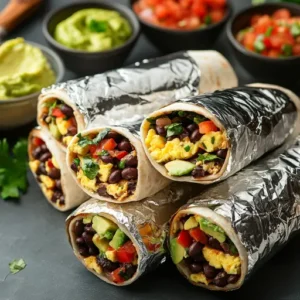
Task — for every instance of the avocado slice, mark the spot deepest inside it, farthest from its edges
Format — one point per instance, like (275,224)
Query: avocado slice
(87,220)
(54,131)
(101,244)
(179,167)
(177,251)
(118,240)
(190,223)
(212,229)
(102,225)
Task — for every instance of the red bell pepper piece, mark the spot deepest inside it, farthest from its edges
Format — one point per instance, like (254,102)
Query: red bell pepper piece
(126,253)
(120,154)
(115,275)
(37,141)
(109,144)
(198,235)
(56,112)
(50,163)
(184,239)
(207,126)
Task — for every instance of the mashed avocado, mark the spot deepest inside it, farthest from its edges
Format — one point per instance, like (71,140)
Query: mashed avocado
(23,69)
(93,29)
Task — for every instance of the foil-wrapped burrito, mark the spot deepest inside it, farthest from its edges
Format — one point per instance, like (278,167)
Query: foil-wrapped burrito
(119,243)
(126,95)
(207,138)
(219,238)
(48,165)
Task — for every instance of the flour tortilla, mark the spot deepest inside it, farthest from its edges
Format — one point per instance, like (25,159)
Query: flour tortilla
(181,106)
(74,196)
(149,180)
(226,226)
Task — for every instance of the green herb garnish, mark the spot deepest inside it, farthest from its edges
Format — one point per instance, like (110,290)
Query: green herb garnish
(17,265)
(84,140)
(121,164)
(52,106)
(151,120)
(213,139)
(187,148)
(108,235)
(181,113)
(203,144)
(198,119)
(207,20)
(174,129)
(13,169)
(287,49)
(207,157)
(89,168)
(269,31)
(295,29)
(101,135)
(233,249)
(76,161)
(259,45)
(104,153)
(98,26)
(205,223)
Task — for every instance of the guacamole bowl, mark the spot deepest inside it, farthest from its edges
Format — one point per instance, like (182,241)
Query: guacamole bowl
(91,61)
(22,110)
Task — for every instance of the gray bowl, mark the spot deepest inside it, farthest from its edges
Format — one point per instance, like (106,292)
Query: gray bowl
(20,111)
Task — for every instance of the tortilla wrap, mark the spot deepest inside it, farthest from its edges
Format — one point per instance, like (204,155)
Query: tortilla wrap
(74,196)
(245,143)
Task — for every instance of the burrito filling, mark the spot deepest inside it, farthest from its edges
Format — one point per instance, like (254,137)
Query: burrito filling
(187,143)
(47,171)
(105,248)
(105,164)
(203,250)
(60,121)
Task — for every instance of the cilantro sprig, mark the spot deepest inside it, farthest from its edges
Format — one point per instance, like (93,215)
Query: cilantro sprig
(86,140)
(207,157)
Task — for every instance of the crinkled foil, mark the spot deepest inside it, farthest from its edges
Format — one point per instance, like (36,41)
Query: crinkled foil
(256,120)
(262,202)
(155,211)
(126,95)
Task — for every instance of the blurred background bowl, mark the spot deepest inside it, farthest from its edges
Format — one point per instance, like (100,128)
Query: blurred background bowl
(281,71)
(84,62)
(20,111)
(172,40)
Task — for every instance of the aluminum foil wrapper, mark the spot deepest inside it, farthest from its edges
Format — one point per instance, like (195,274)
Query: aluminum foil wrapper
(126,95)
(155,211)
(262,203)
(256,121)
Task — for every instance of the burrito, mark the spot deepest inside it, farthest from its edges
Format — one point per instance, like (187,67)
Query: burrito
(119,243)
(219,238)
(126,95)
(48,166)
(208,138)
(109,163)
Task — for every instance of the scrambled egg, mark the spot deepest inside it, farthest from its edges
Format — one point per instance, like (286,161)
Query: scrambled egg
(67,139)
(55,164)
(213,141)
(118,190)
(62,125)
(212,167)
(47,181)
(218,259)
(91,263)
(87,183)
(200,277)
(104,171)
(48,193)
(111,255)
(79,150)
(34,165)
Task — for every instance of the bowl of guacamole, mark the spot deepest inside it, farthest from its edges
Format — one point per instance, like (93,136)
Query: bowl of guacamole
(25,69)
(93,36)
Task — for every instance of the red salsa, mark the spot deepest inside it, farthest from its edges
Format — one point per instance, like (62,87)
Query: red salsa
(181,14)
(276,35)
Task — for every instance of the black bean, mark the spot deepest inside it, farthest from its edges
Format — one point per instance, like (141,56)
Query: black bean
(115,176)
(89,229)
(56,195)
(107,159)
(58,184)
(222,153)
(233,278)
(225,247)
(130,269)
(196,267)
(221,279)
(106,264)
(195,136)
(44,148)
(102,191)
(192,127)
(72,130)
(161,131)
(130,160)
(93,250)
(78,228)
(80,241)
(45,156)
(74,167)
(37,152)
(83,251)
(88,238)
(62,201)
(214,243)
(41,170)
(54,173)
(188,260)
(124,146)
(209,271)
(67,110)
(114,135)
(195,249)
(131,187)
(198,172)
(184,134)
(130,173)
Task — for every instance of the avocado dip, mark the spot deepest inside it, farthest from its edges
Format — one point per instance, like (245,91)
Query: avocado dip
(23,69)
(93,30)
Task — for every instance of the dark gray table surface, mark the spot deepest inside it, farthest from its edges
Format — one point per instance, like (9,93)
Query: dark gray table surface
(31,229)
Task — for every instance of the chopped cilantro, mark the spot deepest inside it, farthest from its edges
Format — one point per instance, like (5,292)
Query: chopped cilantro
(295,29)
(17,265)
(269,31)
(207,157)
(213,139)
(203,144)
(104,153)
(98,26)
(198,119)
(287,49)
(121,164)
(174,129)
(76,161)
(90,168)
(108,235)
(101,135)
(181,113)
(207,19)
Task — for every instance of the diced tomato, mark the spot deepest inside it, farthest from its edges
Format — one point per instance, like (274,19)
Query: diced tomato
(273,53)
(217,15)
(184,239)
(192,23)
(120,154)
(267,42)
(37,141)
(198,235)
(199,10)
(296,49)
(207,126)
(126,253)
(262,24)
(249,40)
(278,40)
(255,19)
(56,112)
(282,13)
(50,163)
(115,275)
(153,2)
(281,29)
(216,3)
(109,144)
(161,11)
(185,3)
(93,151)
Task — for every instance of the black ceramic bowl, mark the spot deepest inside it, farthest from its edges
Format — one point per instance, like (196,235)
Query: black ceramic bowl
(84,62)
(272,70)
(171,40)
